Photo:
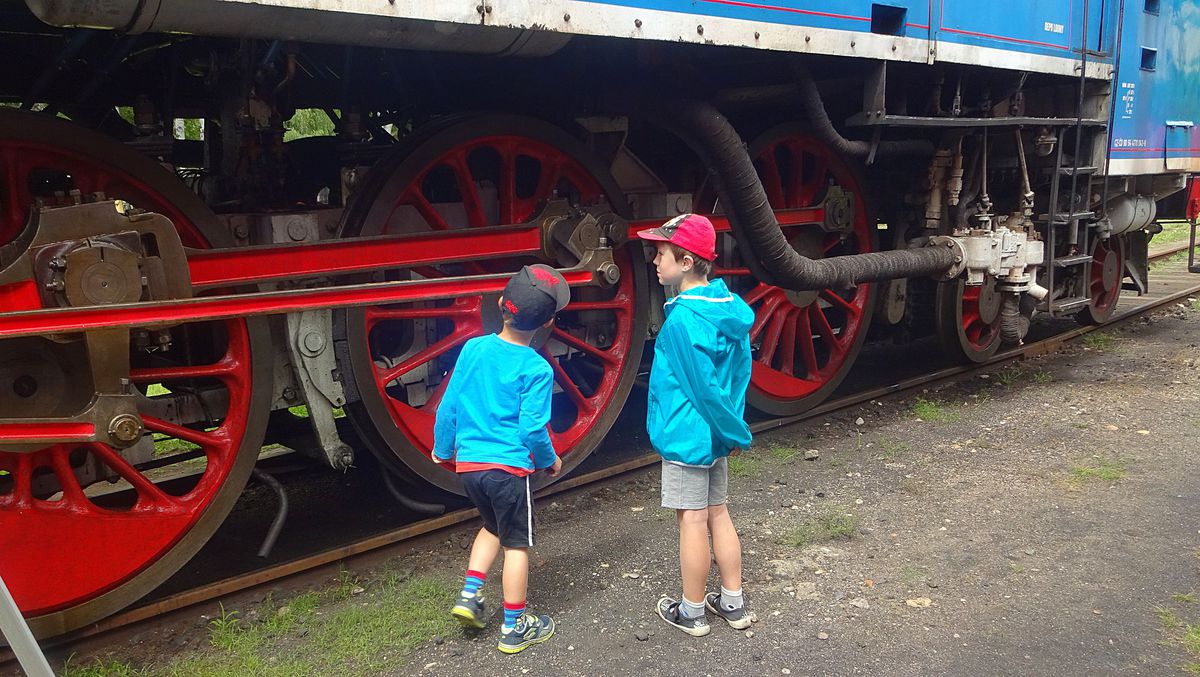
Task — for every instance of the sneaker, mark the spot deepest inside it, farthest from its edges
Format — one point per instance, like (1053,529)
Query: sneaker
(469,611)
(528,631)
(737,619)
(668,610)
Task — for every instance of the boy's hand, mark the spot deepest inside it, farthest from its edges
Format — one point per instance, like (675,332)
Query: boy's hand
(736,451)
(556,468)
(447,463)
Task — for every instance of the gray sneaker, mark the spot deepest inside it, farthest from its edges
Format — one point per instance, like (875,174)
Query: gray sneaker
(528,631)
(469,611)
(737,618)
(668,610)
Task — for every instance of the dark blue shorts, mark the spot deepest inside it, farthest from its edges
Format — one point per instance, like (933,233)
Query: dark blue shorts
(505,503)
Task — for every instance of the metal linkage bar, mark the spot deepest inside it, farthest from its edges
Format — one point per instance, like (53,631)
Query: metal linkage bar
(249,265)
(69,320)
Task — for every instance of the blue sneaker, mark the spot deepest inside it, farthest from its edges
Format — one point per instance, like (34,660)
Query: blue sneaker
(528,631)
(469,611)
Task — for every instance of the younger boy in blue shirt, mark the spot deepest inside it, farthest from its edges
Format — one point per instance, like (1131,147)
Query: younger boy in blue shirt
(695,419)
(492,420)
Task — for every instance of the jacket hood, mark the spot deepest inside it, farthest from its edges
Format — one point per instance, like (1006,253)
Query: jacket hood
(715,304)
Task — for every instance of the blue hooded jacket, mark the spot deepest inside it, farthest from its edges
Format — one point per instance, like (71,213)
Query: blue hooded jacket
(699,378)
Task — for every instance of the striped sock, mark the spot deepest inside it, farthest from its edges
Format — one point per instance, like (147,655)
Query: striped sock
(473,582)
(511,613)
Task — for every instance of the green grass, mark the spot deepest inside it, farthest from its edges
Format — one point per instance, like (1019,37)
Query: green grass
(783,453)
(1185,598)
(1169,261)
(1105,470)
(1099,340)
(1008,376)
(315,633)
(1196,304)
(100,668)
(833,524)
(931,410)
(1172,231)
(890,450)
(1169,619)
(911,573)
(1043,377)
(744,466)
(1016,568)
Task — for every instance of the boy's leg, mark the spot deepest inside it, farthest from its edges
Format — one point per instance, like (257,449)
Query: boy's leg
(516,584)
(483,554)
(469,610)
(727,548)
(694,558)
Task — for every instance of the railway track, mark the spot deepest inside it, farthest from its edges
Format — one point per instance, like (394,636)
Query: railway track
(1168,285)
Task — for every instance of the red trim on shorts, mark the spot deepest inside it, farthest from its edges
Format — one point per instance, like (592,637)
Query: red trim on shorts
(476,467)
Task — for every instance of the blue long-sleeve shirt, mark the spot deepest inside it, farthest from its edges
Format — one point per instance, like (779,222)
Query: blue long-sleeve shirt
(496,409)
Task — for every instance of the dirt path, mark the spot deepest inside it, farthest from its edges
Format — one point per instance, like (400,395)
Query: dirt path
(1044,520)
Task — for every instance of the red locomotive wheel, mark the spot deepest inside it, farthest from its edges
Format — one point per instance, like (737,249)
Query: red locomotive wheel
(472,173)
(804,343)
(75,549)
(967,320)
(1106,272)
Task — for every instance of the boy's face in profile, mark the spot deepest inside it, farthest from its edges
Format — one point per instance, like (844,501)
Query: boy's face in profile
(670,270)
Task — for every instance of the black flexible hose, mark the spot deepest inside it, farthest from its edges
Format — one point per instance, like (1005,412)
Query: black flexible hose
(268,543)
(774,261)
(410,503)
(822,126)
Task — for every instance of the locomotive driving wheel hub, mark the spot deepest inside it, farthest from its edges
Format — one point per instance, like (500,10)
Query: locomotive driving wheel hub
(809,244)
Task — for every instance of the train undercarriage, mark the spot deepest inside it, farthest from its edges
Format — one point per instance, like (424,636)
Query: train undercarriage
(208,245)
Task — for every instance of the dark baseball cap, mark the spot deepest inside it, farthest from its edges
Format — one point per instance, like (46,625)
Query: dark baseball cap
(534,295)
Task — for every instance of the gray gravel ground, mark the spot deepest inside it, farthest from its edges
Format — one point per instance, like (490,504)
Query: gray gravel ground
(984,544)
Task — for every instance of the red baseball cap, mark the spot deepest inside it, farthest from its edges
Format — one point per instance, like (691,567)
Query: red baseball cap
(693,232)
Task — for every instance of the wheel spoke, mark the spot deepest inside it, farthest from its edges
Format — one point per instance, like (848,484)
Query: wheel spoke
(583,346)
(808,349)
(11,199)
(459,335)
(770,341)
(205,439)
(564,381)
(756,294)
(68,482)
(825,330)
(816,181)
(415,198)
(507,190)
(548,181)
(840,302)
(764,313)
(468,190)
(787,356)
(149,492)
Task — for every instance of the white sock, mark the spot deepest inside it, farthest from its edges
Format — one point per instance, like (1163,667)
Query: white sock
(691,609)
(731,599)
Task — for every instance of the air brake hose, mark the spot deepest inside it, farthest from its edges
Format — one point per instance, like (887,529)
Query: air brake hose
(774,261)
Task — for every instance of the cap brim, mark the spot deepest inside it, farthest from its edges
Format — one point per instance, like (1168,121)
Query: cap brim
(654,234)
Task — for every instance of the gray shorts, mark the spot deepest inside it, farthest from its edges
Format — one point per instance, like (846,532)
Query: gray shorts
(688,488)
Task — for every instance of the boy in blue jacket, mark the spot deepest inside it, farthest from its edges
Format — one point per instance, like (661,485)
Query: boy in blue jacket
(492,421)
(694,415)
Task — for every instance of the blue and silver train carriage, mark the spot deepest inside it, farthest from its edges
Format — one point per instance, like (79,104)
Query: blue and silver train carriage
(226,224)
